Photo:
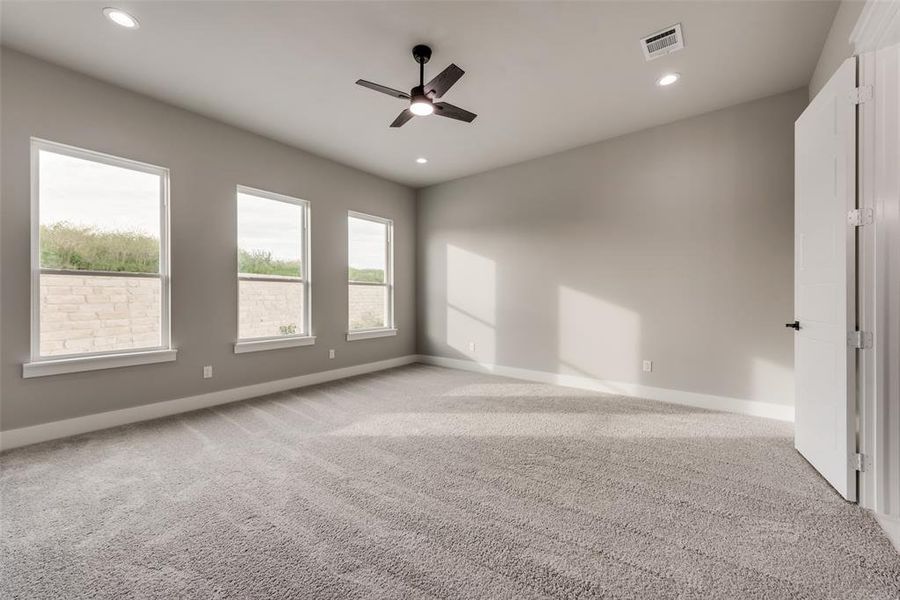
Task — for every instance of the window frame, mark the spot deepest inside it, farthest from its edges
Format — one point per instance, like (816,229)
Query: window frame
(89,361)
(389,329)
(306,337)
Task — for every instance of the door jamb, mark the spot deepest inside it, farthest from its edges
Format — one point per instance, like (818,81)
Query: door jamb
(878,147)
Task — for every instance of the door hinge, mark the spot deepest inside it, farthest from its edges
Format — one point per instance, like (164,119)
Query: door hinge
(859,339)
(860,216)
(861,94)
(859,462)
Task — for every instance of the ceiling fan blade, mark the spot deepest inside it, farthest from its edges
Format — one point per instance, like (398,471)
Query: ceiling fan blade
(383,89)
(402,118)
(444,109)
(438,86)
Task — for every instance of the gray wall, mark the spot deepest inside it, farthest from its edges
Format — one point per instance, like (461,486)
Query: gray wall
(207,160)
(837,46)
(673,244)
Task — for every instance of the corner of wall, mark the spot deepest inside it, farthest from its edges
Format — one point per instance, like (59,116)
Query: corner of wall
(837,47)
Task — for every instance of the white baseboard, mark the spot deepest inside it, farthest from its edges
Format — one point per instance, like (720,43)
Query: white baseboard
(891,527)
(24,436)
(722,403)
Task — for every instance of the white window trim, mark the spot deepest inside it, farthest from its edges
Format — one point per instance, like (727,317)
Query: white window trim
(95,363)
(305,338)
(274,343)
(367,334)
(388,330)
(72,363)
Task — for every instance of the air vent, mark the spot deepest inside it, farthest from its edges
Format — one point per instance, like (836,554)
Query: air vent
(662,42)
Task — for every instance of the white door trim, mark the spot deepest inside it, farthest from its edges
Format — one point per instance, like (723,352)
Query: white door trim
(878,26)
(879,283)
(875,39)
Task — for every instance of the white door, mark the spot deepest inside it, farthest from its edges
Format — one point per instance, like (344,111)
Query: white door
(825,281)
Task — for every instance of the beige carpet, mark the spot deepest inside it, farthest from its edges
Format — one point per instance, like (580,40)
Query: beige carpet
(423,482)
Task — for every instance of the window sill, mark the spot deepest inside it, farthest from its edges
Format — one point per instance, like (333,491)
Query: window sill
(79,364)
(369,334)
(273,344)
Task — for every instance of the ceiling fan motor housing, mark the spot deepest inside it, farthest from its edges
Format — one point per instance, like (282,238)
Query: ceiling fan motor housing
(421,53)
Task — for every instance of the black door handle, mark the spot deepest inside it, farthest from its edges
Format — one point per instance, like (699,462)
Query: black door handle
(794,325)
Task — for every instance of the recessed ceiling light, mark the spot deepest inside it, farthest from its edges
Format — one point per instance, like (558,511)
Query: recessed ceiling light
(120,17)
(421,160)
(667,79)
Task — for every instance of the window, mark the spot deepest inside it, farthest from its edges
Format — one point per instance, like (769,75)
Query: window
(273,271)
(370,277)
(100,271)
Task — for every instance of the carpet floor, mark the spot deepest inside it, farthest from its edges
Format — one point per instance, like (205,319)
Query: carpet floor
(422,482)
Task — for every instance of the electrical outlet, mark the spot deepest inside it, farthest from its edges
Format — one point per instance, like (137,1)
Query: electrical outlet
(207,372)
(331,354)
(471,346)
(648,366)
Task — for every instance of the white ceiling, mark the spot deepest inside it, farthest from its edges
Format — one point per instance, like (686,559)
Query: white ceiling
(542,76)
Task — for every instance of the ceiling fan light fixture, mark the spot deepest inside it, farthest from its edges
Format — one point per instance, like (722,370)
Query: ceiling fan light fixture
(421,108)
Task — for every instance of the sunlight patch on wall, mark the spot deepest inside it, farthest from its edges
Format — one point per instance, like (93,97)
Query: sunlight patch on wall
(471,304)
(597,338)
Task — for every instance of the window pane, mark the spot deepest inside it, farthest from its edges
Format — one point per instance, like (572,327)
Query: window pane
(97,217)
(87,313)
(270,309)
(368,306)
(367,250)
(270,236)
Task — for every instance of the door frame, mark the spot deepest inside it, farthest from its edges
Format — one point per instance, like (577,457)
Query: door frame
(875,40)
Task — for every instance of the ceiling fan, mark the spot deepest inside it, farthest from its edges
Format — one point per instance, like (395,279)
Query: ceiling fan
(422,97)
